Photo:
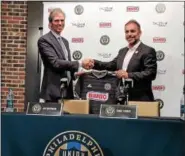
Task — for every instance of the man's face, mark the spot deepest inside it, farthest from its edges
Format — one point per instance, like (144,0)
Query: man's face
(58,23)
(132,34)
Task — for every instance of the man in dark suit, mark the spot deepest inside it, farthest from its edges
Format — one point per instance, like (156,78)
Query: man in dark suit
(56,57)
(137,61)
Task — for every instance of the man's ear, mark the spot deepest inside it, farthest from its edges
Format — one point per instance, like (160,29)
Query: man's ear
(49,25)
(140,33)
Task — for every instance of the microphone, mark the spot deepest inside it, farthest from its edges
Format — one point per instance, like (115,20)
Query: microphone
(123,91)
(63,83)
(63,87)
(128,84)
(63,91)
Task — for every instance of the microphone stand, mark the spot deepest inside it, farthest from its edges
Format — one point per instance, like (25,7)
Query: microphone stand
(124,91)
(62,89)
(61,101)
(127,94)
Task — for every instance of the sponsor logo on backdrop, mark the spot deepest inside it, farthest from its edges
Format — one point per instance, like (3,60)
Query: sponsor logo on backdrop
(160,55)
(106,9)
(104,55)
(161,71)
(73,143)
(50,9)
(160,24)
(160,8)
(78,9)
(77,55)
(104,40)
(78,40)
(78,24)
(161,103)
(159,39)
(132,8)
(158,87)
(97,96)
(105,24)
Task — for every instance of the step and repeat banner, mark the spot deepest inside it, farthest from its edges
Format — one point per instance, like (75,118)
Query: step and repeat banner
(96,30)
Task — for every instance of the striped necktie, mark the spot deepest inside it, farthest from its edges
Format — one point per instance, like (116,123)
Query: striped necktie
(66,56)
(63,47)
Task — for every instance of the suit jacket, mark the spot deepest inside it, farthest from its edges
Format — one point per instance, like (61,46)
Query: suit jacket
(142,68)
(55,67)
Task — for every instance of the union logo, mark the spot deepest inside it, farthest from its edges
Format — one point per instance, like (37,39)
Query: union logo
(160,8)
(72,143)
(79,9)
(104,40)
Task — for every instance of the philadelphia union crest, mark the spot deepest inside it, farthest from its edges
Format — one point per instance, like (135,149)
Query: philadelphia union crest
(79,9)
(72,143)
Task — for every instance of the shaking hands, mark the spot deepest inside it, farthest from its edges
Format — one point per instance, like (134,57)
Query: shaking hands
(88,63)
(121,74)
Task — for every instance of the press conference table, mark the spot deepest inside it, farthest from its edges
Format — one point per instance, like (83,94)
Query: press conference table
(26,135)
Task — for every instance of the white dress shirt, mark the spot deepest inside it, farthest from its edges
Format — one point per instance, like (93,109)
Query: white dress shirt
(129,55)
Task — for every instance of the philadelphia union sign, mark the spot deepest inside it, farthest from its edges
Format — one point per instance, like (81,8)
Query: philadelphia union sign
(72,143)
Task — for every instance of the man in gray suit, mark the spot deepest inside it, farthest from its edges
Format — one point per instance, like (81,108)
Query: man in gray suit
(137,61)
(56,57)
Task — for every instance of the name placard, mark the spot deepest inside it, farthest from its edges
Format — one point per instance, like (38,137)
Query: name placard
(118,111)
(49,109)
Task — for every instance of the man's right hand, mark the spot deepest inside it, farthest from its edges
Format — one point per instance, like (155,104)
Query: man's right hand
(88,63)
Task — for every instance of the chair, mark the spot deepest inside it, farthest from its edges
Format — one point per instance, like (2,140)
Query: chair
(145,108)
(76,106)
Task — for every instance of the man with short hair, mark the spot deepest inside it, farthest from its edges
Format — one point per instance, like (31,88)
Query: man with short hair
(56,57)
(137,61)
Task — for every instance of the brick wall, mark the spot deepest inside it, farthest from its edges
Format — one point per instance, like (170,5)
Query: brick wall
(13,50)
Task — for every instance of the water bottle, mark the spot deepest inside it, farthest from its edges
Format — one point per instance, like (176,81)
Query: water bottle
(182,106)
(9,101)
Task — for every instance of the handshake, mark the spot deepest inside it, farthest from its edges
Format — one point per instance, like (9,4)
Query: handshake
(88,63)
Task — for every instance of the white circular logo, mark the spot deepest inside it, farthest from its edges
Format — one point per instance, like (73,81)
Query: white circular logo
(107,86)
(161,103)
(104,40)
(110,111)
(77,55)
(79,9)
(36,108)
(160,55)
(160,8)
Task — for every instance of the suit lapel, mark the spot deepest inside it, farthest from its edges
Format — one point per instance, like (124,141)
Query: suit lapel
(134,56)
(57,45)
